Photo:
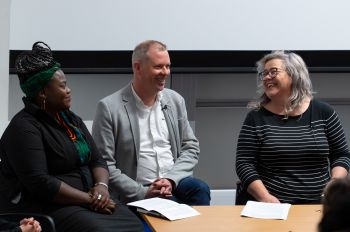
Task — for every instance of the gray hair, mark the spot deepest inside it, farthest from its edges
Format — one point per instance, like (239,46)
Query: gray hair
(296,68)
(140,51)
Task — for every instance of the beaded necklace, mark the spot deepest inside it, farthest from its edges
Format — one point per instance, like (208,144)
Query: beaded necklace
(76,136)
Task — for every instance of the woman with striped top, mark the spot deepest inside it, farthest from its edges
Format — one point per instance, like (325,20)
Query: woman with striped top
(290,145)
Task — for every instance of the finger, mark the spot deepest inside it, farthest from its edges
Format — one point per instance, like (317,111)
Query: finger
(100,189)
(167,194)
(100,201)
(109,211)
(96,201)
(168,189)
(158,183)
(155,191)
(37,225)
(112,205)
(27,220)
(104,201)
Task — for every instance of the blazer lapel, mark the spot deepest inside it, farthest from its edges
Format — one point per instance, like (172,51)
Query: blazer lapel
(167,111)
(130,108)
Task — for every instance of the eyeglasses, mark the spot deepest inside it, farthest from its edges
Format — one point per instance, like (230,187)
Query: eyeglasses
(272,72)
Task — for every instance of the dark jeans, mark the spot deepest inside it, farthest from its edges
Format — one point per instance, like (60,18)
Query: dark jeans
(192,191)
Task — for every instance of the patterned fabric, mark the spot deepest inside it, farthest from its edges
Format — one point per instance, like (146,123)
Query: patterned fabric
(37,82)
(76,136)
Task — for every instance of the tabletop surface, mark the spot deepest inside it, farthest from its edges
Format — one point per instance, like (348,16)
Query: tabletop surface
(303,218)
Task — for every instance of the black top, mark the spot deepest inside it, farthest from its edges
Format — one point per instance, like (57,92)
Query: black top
(36,155)
(7,226)
(292,156)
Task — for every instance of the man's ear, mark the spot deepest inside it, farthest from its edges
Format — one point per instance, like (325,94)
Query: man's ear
(136,66)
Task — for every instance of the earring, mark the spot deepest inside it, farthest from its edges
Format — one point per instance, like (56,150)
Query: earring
(43,106)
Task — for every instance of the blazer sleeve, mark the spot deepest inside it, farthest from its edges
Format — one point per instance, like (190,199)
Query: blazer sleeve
(104,132)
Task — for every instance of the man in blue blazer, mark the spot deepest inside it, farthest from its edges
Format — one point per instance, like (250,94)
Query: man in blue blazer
(143,133)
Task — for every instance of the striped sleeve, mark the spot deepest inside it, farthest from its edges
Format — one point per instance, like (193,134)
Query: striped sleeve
(246,154)
(339,154)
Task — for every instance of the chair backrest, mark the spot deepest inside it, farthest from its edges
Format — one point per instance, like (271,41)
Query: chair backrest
(46,222)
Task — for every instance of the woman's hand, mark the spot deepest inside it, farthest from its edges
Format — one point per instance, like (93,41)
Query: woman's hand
(106,208)
(258,190)
(109,208)
(101,201)
(269,199)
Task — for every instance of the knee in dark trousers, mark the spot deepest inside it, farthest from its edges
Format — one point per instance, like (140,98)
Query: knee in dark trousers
(192,191)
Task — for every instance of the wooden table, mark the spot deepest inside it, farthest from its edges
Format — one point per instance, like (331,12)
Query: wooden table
(301,218)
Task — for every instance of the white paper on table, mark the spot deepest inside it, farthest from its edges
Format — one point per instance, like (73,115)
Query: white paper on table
(264,210)
(164,208)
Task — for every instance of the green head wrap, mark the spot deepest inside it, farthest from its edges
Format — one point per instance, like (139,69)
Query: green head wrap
(38,81)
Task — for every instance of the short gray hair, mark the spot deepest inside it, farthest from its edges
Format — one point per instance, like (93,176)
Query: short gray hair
(296,68)
(140,51)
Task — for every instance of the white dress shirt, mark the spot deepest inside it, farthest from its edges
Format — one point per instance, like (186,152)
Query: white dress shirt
(155,158)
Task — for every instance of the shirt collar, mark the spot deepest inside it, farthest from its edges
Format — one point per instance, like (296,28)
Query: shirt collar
(139,101)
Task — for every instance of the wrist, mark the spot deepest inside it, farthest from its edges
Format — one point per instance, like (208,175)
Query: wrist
(101,183)
(88,200)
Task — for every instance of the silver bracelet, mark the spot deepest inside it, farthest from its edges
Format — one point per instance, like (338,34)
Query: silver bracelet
(101,183)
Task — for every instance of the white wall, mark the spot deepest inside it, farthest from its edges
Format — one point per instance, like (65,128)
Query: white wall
(4,60)
(182,24)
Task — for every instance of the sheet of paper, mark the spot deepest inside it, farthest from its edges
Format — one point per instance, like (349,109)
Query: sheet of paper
(179,212)
(155,203)
(264,210)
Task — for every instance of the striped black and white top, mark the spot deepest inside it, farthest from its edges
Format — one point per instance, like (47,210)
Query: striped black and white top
(292,157)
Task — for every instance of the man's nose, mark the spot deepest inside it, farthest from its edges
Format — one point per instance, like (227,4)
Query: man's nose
(165,70)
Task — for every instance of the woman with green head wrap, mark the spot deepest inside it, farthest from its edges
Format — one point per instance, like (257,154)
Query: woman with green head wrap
(49,162)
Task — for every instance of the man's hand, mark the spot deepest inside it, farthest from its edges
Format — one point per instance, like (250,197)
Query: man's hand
(160,188)
(165,187)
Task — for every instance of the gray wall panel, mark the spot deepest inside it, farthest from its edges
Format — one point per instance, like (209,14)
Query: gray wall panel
(217,131)
(217,128)
(87,90)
